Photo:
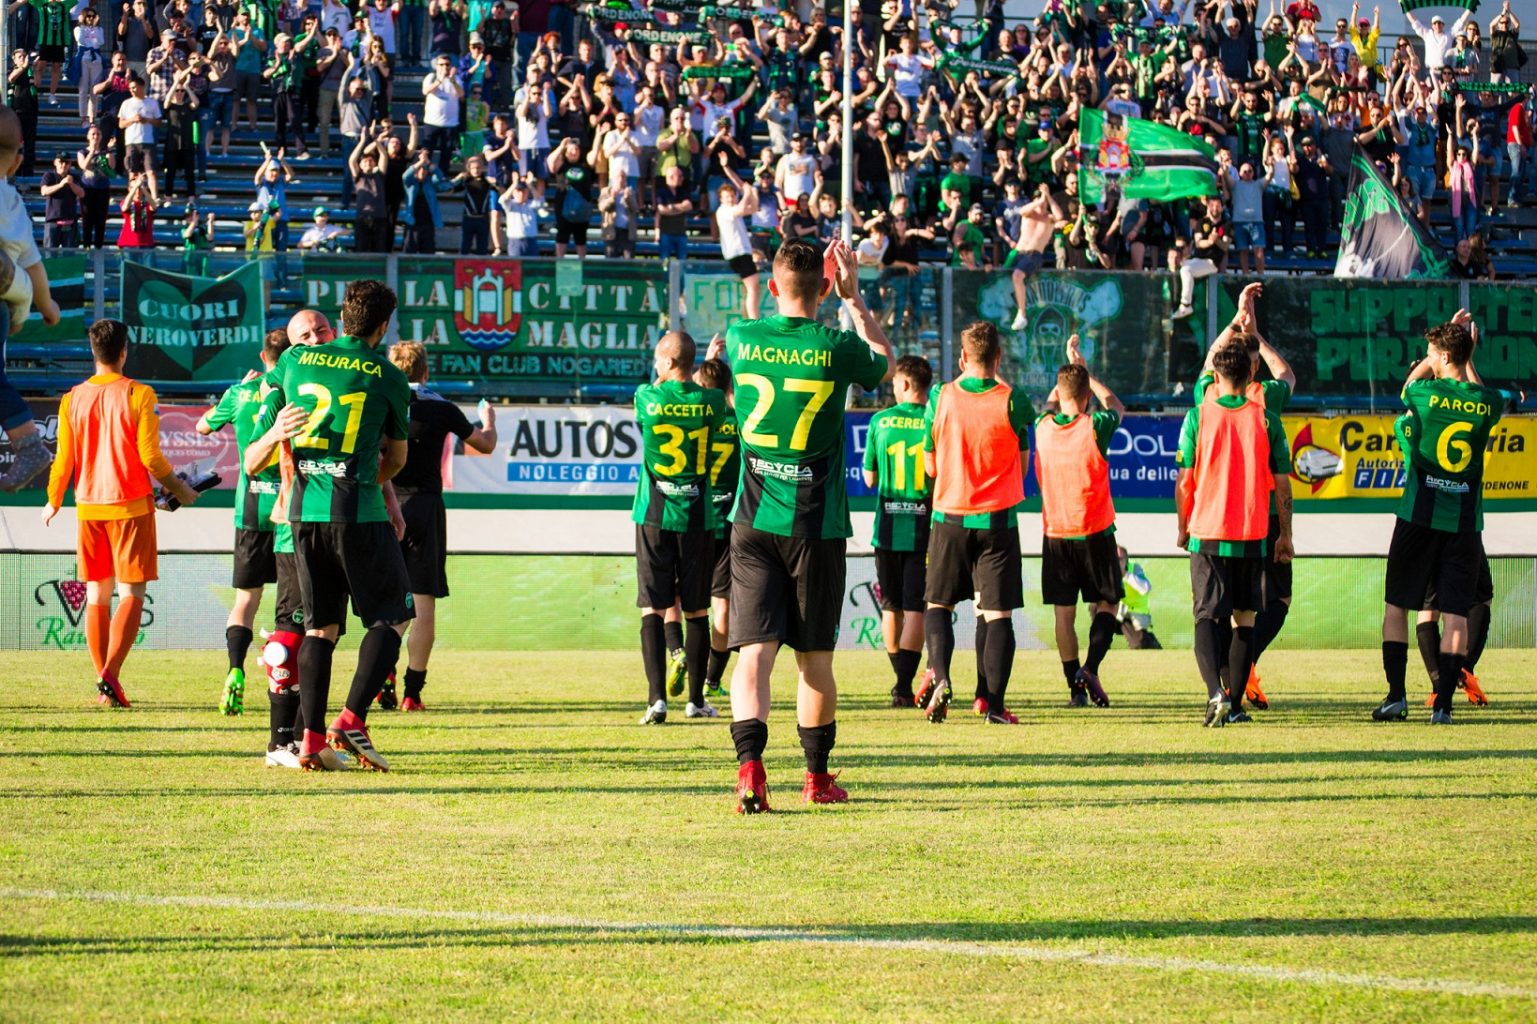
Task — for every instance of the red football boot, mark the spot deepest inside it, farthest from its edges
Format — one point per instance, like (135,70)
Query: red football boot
(1474,691)
(752,789)
(412,704)
(111,692)
(822,789)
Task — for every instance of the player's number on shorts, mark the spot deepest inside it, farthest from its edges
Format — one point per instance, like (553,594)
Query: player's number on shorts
(1452,452)
(673,448)
(819,390)
(352,401)
(900,451)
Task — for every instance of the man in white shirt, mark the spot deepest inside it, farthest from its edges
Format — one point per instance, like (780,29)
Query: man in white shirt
(623,152)
(716,106)
(322,234)
(138,117)
(442,92)
(1438,42)
(737,202)
(381,22)
(907,70)
(520,213)
(534,107)
(795,174)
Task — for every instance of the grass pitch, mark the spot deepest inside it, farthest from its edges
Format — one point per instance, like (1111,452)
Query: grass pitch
(536,855)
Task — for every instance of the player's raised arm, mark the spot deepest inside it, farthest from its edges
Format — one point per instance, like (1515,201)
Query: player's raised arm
(845,267)
(1243,319)
(483,437)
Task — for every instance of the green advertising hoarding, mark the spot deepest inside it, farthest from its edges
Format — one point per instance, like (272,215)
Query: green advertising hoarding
(501,321)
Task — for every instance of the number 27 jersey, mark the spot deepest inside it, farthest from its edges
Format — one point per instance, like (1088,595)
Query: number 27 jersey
(790,375)
(355,399)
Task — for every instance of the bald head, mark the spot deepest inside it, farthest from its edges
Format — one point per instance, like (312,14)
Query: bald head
(310,327)
(675,355)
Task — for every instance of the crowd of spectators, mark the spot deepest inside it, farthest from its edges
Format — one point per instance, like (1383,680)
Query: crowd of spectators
(556,121)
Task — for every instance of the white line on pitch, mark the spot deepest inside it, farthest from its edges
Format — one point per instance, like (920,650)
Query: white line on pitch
(1013,951)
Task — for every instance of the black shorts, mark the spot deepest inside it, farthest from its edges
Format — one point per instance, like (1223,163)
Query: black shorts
(1090,568)
(139,157)
(425,544)
(720,582)
(902,576)
(672,566)
(569,232)
(255,566)
(986,562)
(743,266)
(1278,575)
(290,604)
(360,560)
(1223,584)
(1422,560)
(51,54)
(786,589)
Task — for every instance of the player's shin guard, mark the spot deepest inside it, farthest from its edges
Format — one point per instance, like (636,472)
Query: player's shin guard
(1240,656)
(98,624)
(981,651)
(1428,636)
(674,633)
(1395,665)
(1478,634)
(315,690)
(906,663)
(696,650)
(818,742)
(237,642)
(283,708)
(1101,632)
(749,737)
(1450,670)
(939,631)
(653,653)
(1267,626)
(1070,672)
(1209,655)
(376,660)
(999,659)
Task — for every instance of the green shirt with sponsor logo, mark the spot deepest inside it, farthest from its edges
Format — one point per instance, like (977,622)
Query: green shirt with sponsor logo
(1021,415)
(1444,435)
(254,495)
(356,399)
(790,375)
(678,420)
(725,470)
(1280,462)
(894,452)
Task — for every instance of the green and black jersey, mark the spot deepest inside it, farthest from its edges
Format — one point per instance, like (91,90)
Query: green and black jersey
(1021,416)
(678,420)
(254,495)
(725,471)
(1444,435)
(356,399)
(1276,392)
(52,22)
(790,375)
(894,452)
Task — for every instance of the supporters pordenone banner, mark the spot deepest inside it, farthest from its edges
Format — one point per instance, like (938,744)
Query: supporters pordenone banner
(184,328)
(1358,338)
(508,321)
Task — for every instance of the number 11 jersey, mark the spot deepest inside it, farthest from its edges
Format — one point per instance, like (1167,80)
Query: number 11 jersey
(790,375)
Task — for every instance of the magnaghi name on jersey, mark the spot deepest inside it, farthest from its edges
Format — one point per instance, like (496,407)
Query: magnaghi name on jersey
(786,356)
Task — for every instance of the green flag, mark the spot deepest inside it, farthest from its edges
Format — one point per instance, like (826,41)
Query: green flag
(1378,238)
(192,328)
(1143,159)
(1419,5)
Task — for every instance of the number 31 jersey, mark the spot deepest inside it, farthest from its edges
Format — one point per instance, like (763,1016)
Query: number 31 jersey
(678,420)
(1444,435)
(790,375)
(355,399)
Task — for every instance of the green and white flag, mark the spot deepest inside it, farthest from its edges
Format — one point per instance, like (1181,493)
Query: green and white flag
(1141,159)
(184,328)
(1420,5)
(1379,239)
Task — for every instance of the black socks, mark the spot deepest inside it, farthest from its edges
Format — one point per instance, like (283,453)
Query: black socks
(1450,666)
(376,660)
(1101,632)
(1428,636)
(315,680)
(981,649)
(415,680)
(237,639)
(1478,634)
(1267,626)
(818,742)
(282,714)
(716,667)
(1209,655)
(1395,664)
(674,631)
(1070,672)
(939,631)
(749,737)
(999,660)
(696,649)
(906,665)
(1240,656)
(653,652)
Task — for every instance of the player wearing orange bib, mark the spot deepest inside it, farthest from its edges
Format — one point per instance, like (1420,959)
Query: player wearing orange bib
(109,447)
(1232,457)
(1078,553)
(978,430)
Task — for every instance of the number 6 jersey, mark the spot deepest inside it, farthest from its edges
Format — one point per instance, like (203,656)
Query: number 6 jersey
(355,399)
(790,375)
(677,421)
(1444,435)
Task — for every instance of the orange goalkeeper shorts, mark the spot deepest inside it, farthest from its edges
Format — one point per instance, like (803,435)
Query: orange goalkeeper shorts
(124,549)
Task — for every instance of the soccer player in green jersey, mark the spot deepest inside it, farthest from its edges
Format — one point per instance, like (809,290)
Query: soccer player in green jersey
(338,405)
(1437,538)
(255,494)
(790,525)
(674,518)
(725,471)
(894,467)
(1272,394)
